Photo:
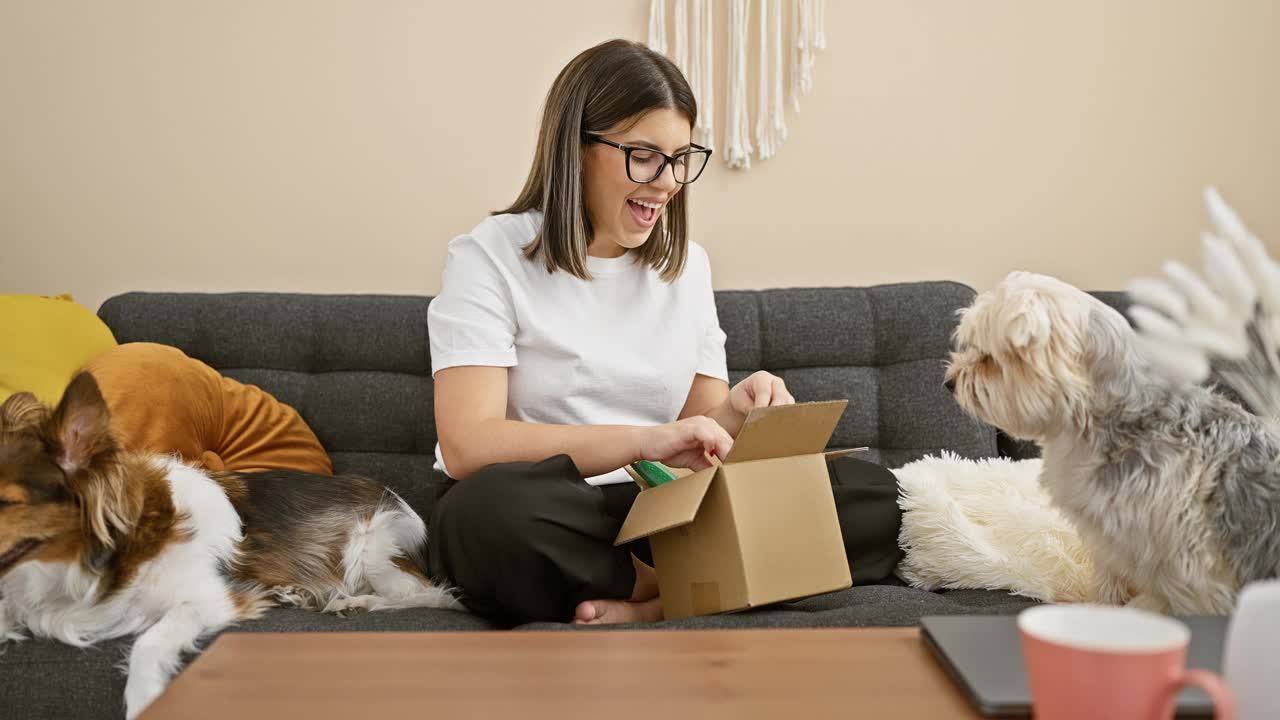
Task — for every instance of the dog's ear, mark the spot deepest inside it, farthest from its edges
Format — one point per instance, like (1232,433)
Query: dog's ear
(96,554)
(1110,351)
(80,429)
(1027,320)
(111,509)
(22,411)
(79,436)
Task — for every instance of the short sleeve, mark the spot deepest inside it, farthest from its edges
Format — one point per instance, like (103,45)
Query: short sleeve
(711,353)
(472,321)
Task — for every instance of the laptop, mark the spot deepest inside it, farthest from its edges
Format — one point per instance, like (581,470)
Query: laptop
(983,656)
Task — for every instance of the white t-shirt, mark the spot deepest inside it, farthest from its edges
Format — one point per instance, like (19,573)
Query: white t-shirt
(619,349)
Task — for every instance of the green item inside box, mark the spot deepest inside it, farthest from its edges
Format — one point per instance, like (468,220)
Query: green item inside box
(653,473)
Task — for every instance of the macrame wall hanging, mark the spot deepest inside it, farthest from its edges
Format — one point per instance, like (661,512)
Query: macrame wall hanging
(693,49)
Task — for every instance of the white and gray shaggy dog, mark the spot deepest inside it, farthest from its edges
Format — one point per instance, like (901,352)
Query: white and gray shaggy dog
(1173,486)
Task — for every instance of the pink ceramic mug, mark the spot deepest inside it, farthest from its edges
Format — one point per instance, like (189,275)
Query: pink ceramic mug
(1096,662)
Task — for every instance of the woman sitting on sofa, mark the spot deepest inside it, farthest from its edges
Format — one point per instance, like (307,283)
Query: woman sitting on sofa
(576,332)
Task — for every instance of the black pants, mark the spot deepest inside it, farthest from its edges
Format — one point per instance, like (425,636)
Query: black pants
(527,542)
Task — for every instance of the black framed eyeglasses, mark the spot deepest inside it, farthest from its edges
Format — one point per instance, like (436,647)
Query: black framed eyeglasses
(644,165)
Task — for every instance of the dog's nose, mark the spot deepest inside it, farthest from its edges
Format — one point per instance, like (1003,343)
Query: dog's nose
(950,385)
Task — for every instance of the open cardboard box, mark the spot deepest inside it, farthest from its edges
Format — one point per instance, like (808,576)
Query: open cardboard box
(758,529)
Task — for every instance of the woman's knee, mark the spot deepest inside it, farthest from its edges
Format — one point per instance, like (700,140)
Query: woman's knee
(852,471)
(866,496)
(503,501)
(521,540)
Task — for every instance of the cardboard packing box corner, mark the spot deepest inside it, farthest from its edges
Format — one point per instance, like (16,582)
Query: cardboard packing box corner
(759,528)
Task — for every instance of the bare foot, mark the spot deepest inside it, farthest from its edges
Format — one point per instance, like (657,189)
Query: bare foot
(608,612)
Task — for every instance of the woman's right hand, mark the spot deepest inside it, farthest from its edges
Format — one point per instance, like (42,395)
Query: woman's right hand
(686,443)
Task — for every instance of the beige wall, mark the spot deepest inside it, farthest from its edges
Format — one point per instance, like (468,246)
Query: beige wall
(328,146)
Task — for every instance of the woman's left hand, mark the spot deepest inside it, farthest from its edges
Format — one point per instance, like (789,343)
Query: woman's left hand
(761,389)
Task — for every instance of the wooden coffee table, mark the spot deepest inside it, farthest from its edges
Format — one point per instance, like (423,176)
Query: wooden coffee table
(606,675)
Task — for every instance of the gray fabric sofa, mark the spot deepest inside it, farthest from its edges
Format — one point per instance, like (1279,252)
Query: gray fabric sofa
(358,369)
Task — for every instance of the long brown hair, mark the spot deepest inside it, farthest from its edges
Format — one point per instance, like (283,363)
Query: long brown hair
(603,86)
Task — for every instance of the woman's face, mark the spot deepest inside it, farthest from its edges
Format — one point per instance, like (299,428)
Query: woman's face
(622,212)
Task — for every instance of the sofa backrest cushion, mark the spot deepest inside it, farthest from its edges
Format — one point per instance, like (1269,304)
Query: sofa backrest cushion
(358,369)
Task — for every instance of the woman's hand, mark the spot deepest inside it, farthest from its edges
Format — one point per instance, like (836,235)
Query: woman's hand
(760,389)
(685,443)
(713,398)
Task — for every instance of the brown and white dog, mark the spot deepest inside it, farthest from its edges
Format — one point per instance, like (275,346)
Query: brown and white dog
(97,542)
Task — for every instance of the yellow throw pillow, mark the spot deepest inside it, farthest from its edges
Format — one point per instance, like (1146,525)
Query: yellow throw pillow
(44,341)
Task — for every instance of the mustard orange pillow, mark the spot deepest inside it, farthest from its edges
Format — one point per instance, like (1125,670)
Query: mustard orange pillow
(163,401)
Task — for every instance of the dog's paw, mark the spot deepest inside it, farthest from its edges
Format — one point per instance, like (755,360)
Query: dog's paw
(290,595)
(343,605)
(1111,589)
(10,637)
(8,632)
(448,598)
(1149,602)
(140,691)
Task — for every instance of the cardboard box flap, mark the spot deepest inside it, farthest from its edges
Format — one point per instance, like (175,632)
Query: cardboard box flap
(666,506)
(785,430)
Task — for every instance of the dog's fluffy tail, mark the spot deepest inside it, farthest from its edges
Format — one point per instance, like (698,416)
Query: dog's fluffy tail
(1224,326)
